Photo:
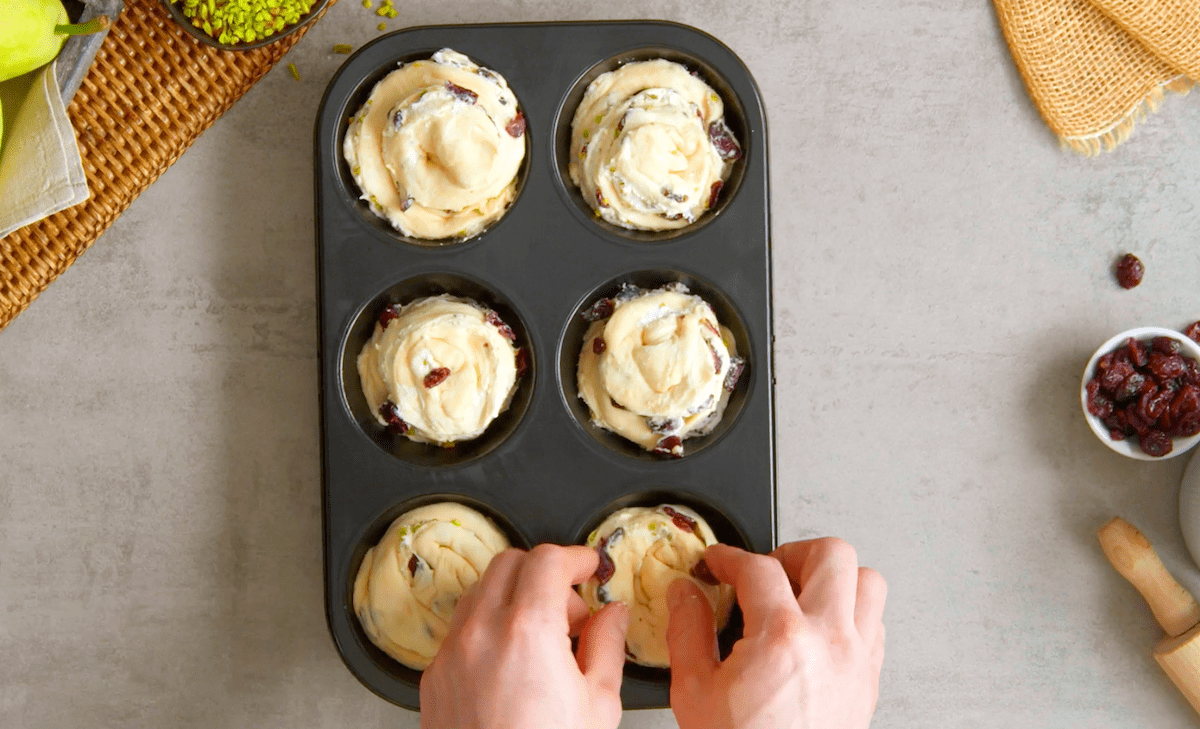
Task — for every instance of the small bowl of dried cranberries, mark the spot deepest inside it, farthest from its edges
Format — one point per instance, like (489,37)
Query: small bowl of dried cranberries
(1141,393)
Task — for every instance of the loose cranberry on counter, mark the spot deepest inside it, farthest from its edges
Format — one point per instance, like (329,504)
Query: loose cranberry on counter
(1130,271)
(1193,332)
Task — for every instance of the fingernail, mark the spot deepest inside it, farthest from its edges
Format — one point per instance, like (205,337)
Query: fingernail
(626,614)
(675,593)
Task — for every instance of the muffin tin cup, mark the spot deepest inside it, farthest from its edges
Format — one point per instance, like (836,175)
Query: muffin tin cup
(542,469)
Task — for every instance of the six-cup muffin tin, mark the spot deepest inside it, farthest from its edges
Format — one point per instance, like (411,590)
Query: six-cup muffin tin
(542,471)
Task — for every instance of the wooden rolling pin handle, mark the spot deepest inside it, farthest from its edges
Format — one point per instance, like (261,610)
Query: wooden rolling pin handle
(1132,555)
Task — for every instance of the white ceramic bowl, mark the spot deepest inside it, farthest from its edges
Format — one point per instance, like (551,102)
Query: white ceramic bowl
(1189,507)
(1129,446)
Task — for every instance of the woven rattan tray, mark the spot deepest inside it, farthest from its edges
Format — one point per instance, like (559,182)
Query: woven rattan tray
(150,92)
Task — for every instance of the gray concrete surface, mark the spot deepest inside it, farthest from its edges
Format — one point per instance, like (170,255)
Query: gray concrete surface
(942,275)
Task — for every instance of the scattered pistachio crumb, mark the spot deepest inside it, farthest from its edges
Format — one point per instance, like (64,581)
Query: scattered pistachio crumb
(366,4)
(382,11)
(392,13)
(382,26)
(599,118)
(586,133)
(356,169)
(715,97)
(292,70)
(343,48)
(653,525)
(456,522)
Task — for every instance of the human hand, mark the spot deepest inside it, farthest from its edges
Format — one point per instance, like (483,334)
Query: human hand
(507,661)
(812,647)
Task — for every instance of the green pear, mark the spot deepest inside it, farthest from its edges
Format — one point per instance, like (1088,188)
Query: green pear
(33,32)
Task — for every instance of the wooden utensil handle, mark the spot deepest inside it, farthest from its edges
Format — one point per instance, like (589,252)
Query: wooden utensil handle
(1132,555)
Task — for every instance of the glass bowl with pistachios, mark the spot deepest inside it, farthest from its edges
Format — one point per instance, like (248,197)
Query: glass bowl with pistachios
(240,25)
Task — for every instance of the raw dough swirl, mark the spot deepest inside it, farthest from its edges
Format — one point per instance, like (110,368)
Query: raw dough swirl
(650,548)
(649,146)
(437,146)
(440,337)
(408,584)
(659,374)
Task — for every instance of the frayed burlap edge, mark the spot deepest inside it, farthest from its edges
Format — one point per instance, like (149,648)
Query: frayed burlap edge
(1108,139)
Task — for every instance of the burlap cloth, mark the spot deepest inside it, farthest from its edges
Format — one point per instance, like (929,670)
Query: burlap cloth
(1095,67)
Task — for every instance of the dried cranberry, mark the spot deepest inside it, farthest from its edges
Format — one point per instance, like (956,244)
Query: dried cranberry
(1131,387)
(522,362)
(1153,404)
(716,191)
(684,522)
(716,359)
(1189,426)
(666,191)
(1186,401)
(736,365)
(1138,353)
(710,327)
(605,569)
(516,127)
(1155,442)
(616,404)
(602,309)
(505,330)
(722,139)
(391,414)
(1166,345)
(663,426)
(1166,366)
(598,345)
(1130,271)
(704,574)
(414,564)
(406,202)
(1192,376)
(1193,332)
(1099,405)
(435,376)
(389,312)
(600,199)
(1137,422)
(1112,378)
(462,94)
(672,446)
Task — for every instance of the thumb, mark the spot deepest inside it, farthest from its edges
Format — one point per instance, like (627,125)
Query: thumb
(601,653)
(691,633)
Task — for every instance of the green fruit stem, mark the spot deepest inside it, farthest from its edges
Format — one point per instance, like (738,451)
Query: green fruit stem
(95,25)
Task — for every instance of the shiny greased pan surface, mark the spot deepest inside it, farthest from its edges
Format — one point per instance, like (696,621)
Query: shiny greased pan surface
(542,471)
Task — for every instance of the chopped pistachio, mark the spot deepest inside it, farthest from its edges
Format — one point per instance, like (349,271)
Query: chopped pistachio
(343,48)
(292,70)
(586,133)
(381,12)
(456,522)
(382,26)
